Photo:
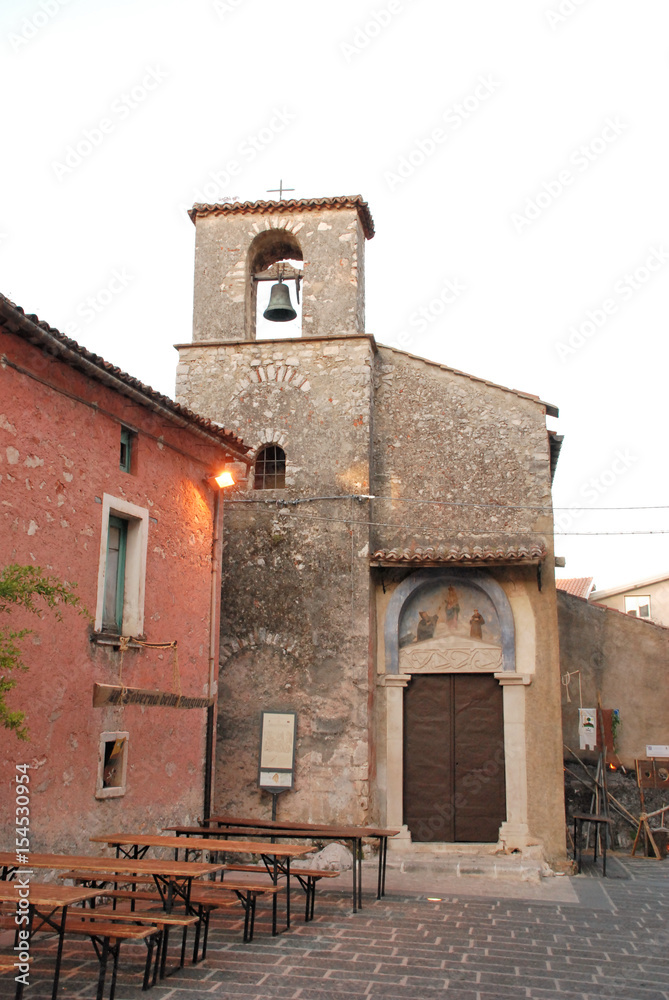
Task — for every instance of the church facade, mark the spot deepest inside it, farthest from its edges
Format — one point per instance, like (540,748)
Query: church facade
(388,562)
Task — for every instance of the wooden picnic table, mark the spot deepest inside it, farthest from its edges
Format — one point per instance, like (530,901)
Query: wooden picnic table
(275,857)
(252,827)
(43,902)
(173,878)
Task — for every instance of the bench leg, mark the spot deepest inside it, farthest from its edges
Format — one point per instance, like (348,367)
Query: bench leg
(103,955)
(151,967)
(183,947)
(206,913)
(115,951)
(163,956)
(59,953)
(198,931)
(309,885)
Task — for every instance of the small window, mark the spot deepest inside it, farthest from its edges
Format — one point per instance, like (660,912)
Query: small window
(270,469)
(127,453)
(638,606)
(112,765)
(117,540)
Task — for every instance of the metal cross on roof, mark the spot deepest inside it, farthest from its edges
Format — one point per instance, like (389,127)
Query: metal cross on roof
(279,190)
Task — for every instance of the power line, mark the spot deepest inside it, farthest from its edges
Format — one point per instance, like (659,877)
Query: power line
(442,503)
(283,511)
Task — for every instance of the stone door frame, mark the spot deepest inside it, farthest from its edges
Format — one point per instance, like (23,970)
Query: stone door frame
(514,833)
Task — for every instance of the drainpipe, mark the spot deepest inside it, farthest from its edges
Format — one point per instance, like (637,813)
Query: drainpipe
(214,639)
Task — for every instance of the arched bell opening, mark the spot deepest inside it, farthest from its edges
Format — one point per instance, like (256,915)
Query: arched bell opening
(274,283)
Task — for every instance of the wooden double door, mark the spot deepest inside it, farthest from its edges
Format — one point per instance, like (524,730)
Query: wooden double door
(454,787)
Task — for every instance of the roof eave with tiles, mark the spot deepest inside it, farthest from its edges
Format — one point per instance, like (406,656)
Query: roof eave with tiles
(200,210)
(29,327)
(531,553)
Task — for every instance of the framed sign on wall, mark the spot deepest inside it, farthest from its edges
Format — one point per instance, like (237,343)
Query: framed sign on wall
(276,768)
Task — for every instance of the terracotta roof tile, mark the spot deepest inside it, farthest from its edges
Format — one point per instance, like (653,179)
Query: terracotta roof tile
(472,554)
(30,327)
(579,586)
(289,205)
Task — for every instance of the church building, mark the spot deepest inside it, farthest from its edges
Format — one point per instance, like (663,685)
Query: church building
(388,565)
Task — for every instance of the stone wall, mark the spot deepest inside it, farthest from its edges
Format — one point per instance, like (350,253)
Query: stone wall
(295,604)
(625,660)
(442,435)
(622,785)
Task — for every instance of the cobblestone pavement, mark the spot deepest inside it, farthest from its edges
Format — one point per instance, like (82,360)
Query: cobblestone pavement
(582,938)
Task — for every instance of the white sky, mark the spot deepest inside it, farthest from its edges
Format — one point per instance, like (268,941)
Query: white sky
(338,102)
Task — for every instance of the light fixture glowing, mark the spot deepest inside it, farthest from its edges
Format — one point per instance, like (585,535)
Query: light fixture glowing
(225,479)
(434,899)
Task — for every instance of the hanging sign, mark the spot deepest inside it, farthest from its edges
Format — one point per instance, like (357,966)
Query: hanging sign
(587,728)
(113,694)
(277,750)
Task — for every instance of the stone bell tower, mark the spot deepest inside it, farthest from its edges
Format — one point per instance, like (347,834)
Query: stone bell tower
(295,613)
(236,243)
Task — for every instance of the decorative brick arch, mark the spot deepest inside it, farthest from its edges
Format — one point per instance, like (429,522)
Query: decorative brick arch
(266,373)
(276,222)
(230,645)
(268,435)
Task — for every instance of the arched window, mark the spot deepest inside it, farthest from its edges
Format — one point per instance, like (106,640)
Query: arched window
(270,470)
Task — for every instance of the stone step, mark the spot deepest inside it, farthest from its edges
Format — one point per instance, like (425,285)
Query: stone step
(511,866)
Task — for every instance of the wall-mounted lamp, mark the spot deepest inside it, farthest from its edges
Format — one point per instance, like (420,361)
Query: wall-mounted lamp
(222,480)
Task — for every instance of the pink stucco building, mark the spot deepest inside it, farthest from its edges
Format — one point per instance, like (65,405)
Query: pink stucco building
(104,483)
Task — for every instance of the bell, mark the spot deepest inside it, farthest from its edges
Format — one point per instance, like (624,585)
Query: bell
(280,309)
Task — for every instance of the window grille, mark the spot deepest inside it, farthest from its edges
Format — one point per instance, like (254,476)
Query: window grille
(270,468)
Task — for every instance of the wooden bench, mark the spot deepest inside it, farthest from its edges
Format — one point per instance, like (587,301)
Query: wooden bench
(162,920)
(307,877)
(201,919)
(106,937)
(100,879)
(210,896)
(135,896)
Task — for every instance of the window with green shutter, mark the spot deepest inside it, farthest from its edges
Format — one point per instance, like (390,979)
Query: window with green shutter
(117,539)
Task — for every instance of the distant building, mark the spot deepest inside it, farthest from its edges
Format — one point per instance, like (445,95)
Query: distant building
(103,483)
(640,599)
